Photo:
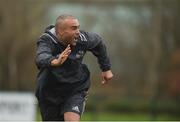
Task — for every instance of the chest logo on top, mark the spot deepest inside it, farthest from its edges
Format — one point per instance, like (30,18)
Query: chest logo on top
(79,54)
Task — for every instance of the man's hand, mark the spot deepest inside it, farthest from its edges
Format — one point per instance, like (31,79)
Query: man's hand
(62,57)
(106,76)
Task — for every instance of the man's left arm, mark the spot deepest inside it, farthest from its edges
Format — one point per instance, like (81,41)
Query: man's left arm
(98,48)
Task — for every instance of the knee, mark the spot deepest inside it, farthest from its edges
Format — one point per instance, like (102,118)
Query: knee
(71,116)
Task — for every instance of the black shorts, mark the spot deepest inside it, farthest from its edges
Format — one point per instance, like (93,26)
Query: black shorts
(74,103)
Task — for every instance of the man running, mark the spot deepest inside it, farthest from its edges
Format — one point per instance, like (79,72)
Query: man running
(63,81)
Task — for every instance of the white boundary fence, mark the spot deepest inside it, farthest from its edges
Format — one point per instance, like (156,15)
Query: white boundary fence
(17,106)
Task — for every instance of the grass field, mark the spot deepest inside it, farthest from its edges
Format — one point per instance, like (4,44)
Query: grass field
(87,116)
(125,117)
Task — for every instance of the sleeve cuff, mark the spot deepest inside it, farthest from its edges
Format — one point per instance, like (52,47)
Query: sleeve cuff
(104,69)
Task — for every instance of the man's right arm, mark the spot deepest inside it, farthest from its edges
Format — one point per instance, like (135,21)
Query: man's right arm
(44,57)
(44,54)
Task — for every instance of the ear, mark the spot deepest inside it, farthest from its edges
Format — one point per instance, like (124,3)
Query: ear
(58,32)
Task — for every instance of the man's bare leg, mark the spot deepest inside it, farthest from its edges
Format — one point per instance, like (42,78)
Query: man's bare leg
(71,116)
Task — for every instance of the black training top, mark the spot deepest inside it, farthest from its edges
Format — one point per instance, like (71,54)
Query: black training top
(72,71)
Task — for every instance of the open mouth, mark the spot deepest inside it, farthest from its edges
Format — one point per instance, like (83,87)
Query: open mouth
(74,41)
(75,38)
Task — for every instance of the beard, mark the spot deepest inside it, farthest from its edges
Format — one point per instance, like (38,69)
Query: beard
(71,40)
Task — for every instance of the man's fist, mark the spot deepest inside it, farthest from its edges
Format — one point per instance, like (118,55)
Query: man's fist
(106,76)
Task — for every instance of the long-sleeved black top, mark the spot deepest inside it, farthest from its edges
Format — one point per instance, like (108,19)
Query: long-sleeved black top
(72,70)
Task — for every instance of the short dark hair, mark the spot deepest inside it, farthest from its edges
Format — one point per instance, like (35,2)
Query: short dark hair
(62,17)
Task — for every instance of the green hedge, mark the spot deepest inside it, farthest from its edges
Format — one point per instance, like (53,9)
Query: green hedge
(130,105)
